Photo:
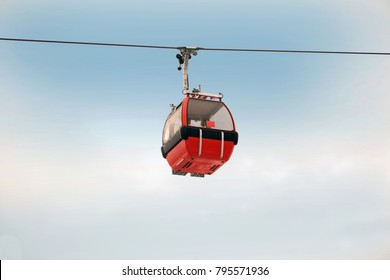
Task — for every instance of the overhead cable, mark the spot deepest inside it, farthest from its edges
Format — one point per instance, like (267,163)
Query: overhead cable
(195,48)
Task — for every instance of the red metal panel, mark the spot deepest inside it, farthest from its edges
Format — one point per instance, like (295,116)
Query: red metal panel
(185,156)
(177,155)
(184,111)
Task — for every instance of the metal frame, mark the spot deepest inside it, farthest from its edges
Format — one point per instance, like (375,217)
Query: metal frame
(184,57)
(200,142)
(222,143)
(205,95)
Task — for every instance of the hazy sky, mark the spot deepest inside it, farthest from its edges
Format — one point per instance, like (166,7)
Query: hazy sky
(81,173)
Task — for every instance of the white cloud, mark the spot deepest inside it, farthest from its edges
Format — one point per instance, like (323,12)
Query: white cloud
(10,247)
(98,180)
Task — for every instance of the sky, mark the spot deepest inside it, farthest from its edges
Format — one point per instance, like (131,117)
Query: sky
(81,172)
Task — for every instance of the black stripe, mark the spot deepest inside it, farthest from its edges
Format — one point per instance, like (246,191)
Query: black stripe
(186,132)
(213,134)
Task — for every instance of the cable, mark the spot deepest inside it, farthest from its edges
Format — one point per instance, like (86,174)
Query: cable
(296,51)
(195,48)
(86,43)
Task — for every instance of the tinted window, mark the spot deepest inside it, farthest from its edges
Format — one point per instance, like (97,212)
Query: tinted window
(172,125)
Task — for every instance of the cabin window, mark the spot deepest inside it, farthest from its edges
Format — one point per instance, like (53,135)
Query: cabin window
(172,125)
(209,114)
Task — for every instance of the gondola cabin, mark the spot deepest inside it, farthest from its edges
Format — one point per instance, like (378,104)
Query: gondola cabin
(199,135)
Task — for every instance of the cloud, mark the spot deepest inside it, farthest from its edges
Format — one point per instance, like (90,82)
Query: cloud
(80,178)
(10,247)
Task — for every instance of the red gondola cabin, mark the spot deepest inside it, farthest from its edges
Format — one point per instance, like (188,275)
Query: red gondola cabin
(199,135)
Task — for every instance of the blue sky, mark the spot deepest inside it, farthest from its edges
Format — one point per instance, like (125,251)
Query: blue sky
(81,173)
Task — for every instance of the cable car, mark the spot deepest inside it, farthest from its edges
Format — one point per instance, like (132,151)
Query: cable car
(199,134)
